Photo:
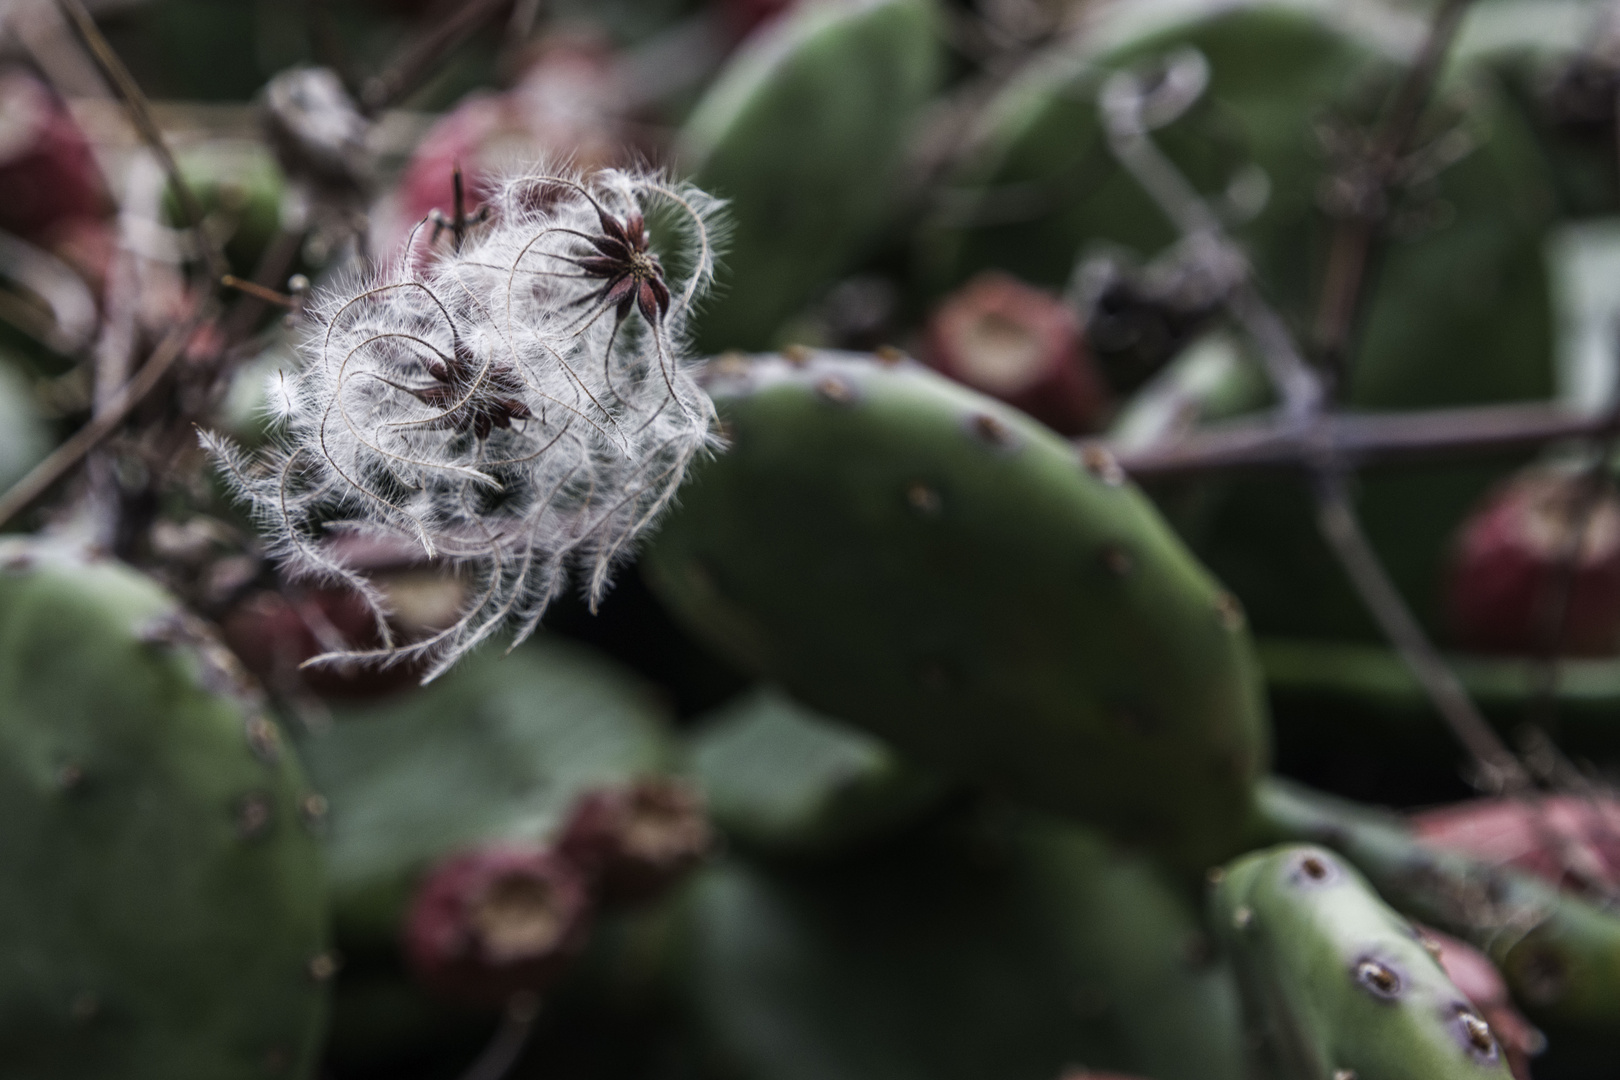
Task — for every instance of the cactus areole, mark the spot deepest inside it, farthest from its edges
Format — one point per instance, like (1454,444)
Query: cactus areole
(907,555)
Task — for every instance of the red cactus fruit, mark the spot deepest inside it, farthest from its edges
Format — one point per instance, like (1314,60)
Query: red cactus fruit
(743,15)
(494,922)
(1472,972)
(273,633)
(1507,564)
(1572,841)
(636,842)
(1021,345)
(49,179)
(566,107)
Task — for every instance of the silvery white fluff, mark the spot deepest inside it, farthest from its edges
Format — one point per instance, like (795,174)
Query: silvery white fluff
(504,406)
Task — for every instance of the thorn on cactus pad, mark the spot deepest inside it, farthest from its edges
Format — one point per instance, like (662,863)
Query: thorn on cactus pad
(1101,464)
(1476,1033)
(1378,978)
(312,809)
(323,966)
(263,739)
(992,431)
(836,390)
(1116,560)
(253,816)
(924,499)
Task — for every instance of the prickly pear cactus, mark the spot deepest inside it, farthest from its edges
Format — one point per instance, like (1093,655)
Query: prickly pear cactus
(1335,983)
(165,908)
(1559,952)
(805,132)
(782,779)
(907,555)
(976,948)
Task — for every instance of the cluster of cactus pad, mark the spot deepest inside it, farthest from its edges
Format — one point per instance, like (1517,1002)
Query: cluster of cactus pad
(972,758)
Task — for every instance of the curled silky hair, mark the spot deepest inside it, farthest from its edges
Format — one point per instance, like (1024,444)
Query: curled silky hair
(520,408)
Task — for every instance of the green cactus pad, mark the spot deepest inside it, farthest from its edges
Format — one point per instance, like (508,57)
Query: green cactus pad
(1560,953)
(805,132)
(912,557)
(972,950)
(495,751)
(1336,983)
(781,778)
(165,910)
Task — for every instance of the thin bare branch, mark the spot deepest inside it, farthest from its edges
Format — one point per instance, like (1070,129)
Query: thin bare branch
(1362,439)
(1353,240)
(417,60)
(1340,527)
(140,114)
(40,478)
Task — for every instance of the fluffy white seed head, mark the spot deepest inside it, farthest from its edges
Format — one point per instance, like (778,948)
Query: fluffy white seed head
(521,408)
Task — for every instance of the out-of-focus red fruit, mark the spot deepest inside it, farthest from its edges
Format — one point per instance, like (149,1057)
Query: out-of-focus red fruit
(1472,972)
(1565,839)
(566,109)
(1019,344)
(1507,563)
(637,841)
(743,15)
(273,633)
(48,176)
(491,923)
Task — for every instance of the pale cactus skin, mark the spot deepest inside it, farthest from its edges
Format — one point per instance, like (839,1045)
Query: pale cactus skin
(1336,983)
(164,893)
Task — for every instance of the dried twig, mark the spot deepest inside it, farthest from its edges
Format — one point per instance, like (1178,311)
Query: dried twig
(503,1051)
(418,59)
(1500,770)
(1352,247)
(1126,103)
(1361,439)
(140,114)
(40,478)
